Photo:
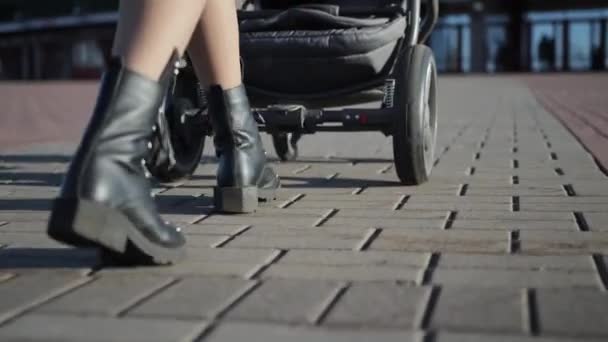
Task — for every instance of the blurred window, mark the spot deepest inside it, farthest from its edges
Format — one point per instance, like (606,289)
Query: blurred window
(568,15)
(543,47)
(87,54)
(451,43)
(583,36)
(497,45)
(465,51)
(558,29)
(606,44)
(580,46)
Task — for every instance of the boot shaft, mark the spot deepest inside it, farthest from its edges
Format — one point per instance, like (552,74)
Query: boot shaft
(236,137)
(231,117)
(118,131)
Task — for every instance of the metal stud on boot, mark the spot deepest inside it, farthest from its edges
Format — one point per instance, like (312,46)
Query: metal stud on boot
(105,199)
(243,176)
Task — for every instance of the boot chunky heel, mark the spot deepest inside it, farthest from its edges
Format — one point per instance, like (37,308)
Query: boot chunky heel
(243,176)
(83,222)
(236,200)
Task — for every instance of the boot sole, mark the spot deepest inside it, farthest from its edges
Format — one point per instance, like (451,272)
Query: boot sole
(241,200)
(82,223)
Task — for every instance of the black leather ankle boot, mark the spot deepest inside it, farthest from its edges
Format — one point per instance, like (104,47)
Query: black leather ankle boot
(105,200)
(243,177)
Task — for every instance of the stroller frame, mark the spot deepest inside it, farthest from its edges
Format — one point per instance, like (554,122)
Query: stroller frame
(408,110)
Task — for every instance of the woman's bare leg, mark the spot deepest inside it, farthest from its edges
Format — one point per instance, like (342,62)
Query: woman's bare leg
(214,48)
(149,31)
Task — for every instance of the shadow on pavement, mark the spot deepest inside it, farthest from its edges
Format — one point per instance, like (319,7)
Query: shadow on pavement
(12,258)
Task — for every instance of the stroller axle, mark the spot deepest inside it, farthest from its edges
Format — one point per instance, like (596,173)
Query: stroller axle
(308,121)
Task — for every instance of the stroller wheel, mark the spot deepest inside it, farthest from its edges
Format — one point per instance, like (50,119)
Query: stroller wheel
(178,142)
(179,135)
(286,145)
(415,134)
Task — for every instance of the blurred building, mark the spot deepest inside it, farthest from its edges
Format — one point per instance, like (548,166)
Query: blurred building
(66,39)
(522,35)
(56,39)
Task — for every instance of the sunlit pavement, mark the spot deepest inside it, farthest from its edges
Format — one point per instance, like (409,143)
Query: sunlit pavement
(506,243)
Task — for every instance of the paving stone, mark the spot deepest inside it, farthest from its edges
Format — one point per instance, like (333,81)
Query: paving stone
(514,224)
(573,312)
(391,214)
(198,241)
(182,219)
(229,255)
(293,190)
(479,337)
(107,295)
(345,272)
(287,212)
(380,305)
(183,191)
(516,262)
(246,220)
(296,242)
(515,278)
(515,190)
(442,241)
(24,227)
(494,199)
(591,189)
(347,265)
(382,204)
(458,203)
(191,298)
(386,223)
(587,204)
(229,332)
(192,267)
(212,229)
(516,215)
(35,327)
(344,232)
(554,243)
(474,309)
(28,289)
(351,197)
(540,180)
(282,300)
(572,201)
(354,258)
(596,221)
(21,216)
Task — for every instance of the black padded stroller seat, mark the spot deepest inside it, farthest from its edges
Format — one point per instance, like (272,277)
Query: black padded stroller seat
(311,51)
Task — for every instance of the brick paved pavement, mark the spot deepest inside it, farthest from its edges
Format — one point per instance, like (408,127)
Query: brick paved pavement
(508,242)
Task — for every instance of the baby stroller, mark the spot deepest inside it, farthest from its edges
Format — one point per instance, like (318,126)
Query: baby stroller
(301,58)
